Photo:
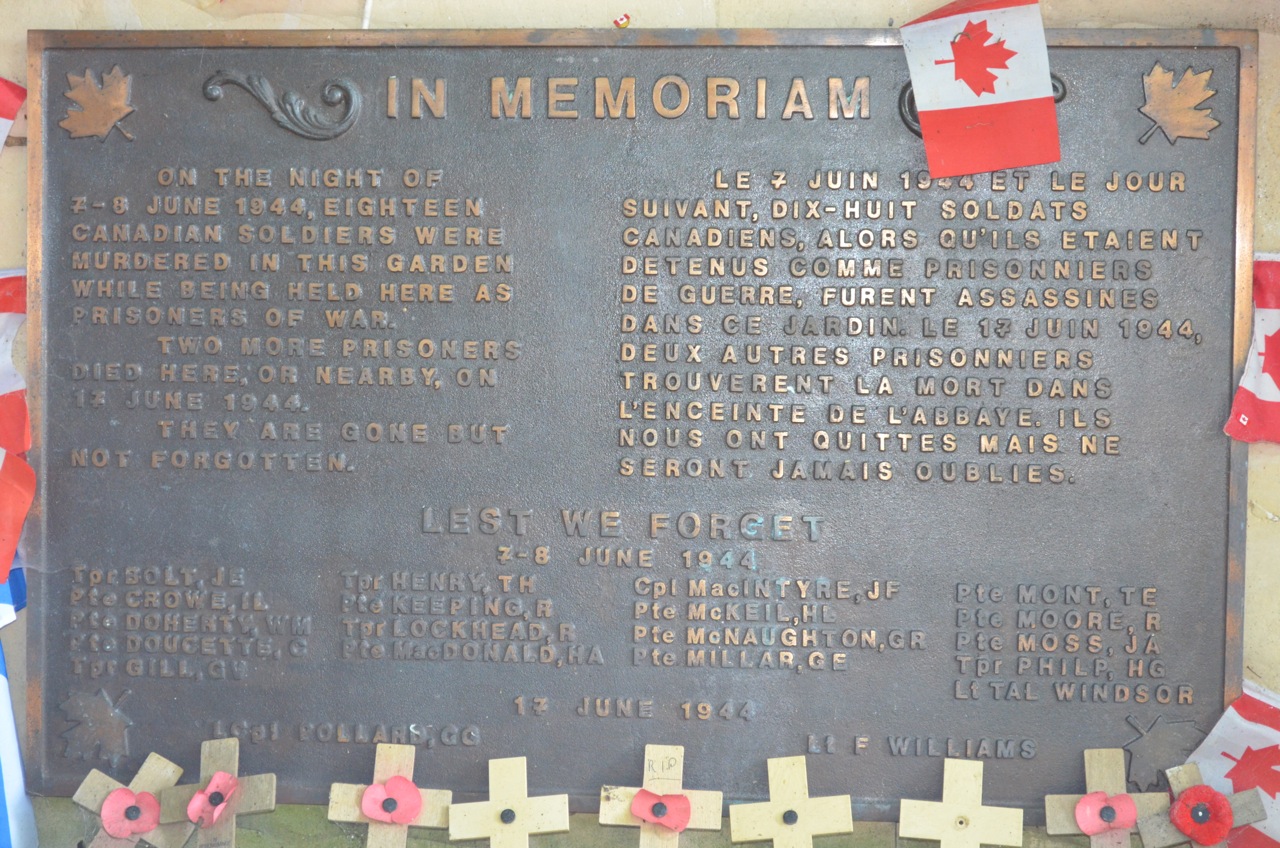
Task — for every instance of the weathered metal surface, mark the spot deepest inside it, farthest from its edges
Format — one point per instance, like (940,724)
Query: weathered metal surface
(380,418)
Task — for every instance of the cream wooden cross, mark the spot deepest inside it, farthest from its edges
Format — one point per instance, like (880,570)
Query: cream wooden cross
(253,794)
(663,775)
(1159,832)
(390,761)
(1104,771)
(960,820)
(156,775)
(790,818)
(510,816)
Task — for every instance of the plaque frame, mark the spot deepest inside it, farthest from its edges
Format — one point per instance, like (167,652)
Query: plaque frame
(1244,41)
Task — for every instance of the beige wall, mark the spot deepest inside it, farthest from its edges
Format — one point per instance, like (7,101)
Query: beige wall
(1262,623)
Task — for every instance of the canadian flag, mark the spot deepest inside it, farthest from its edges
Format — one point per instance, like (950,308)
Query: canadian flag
(1255,415)
(1243,752)
(980,73)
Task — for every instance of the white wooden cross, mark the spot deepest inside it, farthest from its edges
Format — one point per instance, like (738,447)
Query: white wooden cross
(1158,831)
(960,820)
(790,818)
(253,794)
(156,775)
(663,776)
(345,800)
(1105,772)
(510,816)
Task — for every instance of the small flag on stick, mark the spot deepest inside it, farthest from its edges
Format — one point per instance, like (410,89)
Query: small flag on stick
(980,73)
(1255,415)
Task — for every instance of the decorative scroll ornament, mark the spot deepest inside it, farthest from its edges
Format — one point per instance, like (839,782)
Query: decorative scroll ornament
(910,115)
(290,110)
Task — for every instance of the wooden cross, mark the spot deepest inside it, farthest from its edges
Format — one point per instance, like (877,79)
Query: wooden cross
(790,818)
(960,820)
(253,794)
(391,761)
(1104,771)
(510,816)
(663,775)
(156,775)
(1158,831)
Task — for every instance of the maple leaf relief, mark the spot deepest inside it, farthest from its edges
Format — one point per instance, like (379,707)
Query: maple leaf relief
(974,57)
(1258,767)
(100,729)
(1172,106)
(1157,744)
(1271,357)
(98,108)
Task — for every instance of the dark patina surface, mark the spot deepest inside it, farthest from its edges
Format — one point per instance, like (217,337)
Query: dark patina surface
(404,414)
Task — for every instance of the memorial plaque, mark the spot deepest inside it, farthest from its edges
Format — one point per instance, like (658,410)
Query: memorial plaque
(555,394)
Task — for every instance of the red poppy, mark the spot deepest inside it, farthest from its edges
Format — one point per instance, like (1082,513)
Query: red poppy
(397,801)
(669,811)
(1098,812)
(1203,814)
(126,813)
(210,803)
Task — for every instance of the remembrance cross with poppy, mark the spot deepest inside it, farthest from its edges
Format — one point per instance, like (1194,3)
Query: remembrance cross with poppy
(1107,814)
(222,794)
(661,807)
(1199,813)
(131,814)
(392,803)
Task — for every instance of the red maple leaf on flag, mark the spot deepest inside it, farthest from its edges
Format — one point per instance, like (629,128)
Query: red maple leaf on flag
(1256,767)
(1271,358)
(974,57)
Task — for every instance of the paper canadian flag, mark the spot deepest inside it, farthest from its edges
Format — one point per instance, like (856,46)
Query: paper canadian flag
(980,73)
(17,479)
(17,490)
(15,428)
(1255,415)
(1243,752)
(12,96)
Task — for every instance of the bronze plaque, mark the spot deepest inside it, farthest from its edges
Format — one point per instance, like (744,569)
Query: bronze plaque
(551,394)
